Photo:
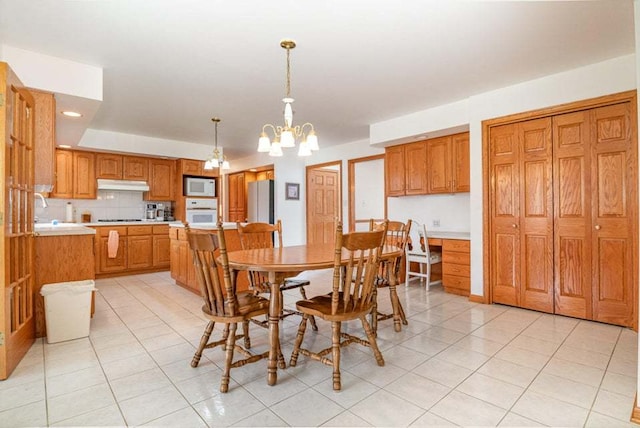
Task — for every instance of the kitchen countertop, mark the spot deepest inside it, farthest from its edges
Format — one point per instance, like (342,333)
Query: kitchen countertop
(61,229)
(448,235)
(127,223)
(209,226)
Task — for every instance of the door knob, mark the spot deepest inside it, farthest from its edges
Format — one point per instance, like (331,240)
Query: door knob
(515,226)
(597,227)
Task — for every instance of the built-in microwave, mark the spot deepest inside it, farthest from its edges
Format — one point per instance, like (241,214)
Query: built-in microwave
(197,186)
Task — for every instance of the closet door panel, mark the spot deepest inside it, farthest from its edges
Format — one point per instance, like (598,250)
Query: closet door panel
(536,215)
(614,190)
(505,215)
(572,200)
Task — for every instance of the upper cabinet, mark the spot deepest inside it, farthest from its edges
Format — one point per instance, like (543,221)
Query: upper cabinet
(109,166)
(438,165)
(195,168)
(135,168)
(75,175)
(267,174)
(45,140)
(161,177)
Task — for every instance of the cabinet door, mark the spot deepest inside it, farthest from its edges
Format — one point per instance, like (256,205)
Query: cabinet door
(394,176)
(191,167)
(241,195)
(63,187)
(415,157)
(460,162)
(109,166)
(439,165)
(614,184)
(117,264)
(183,262)
(233,192)
(175,258)
(160,180)
(161,251)
(140,250)
(45,138)
(135,168)
(84,175)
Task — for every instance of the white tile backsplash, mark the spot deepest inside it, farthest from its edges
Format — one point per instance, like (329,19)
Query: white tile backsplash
(109,204)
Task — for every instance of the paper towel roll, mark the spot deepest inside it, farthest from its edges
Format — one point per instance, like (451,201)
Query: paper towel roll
(69,213)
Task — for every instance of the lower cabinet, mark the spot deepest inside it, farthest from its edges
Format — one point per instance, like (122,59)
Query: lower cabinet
(142,248)
(182,269)
(456,266)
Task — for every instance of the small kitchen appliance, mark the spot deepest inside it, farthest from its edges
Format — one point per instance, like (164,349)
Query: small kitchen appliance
(199,186)
(159,212)
(201,210)
(150,213)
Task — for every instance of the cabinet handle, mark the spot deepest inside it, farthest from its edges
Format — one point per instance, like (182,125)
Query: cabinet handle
(515,226)
(598,227)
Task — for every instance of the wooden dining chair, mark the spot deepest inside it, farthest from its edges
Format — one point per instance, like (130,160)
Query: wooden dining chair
(352,297)
(221,302)
(397,234)
(262,235)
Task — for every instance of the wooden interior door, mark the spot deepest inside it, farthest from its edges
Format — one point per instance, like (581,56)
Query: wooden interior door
(572,229)
(323,199)
(614,213)
(17,321)
(505,214)
(536,215)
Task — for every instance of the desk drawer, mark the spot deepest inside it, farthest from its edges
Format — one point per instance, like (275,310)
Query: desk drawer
(456,245)
(454,269)
(104,230)
(456,284)
(456,258)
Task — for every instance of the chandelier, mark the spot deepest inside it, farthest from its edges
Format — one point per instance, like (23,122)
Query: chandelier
(286,136)
(216,160)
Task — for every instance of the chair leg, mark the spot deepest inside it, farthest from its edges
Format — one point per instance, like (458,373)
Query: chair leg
(374,310)
(372,341)
(398,312)
(245,332)
(203,342)
(231,343)
(312,319)
(296,346)
(335,353)
(225,334)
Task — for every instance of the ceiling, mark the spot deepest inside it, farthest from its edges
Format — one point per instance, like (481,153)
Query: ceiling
(170,65)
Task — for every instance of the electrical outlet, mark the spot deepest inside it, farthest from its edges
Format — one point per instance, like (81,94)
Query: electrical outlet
(436,223)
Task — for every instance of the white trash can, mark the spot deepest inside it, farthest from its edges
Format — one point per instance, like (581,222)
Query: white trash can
(67,307)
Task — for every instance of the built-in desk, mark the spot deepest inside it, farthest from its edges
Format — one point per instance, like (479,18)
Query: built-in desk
(456,260)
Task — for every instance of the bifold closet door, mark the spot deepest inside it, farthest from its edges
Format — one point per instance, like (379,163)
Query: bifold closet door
(522,214)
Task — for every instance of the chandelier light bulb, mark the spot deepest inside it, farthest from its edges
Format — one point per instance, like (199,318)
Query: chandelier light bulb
(304,149)
(312,140)
(264,144)
(287,139)
(276,149)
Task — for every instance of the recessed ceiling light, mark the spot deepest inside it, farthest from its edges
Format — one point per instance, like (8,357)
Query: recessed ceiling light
(64,146)
(253,170)
(71,113)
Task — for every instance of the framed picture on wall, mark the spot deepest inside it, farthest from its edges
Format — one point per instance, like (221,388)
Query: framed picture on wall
(292,191)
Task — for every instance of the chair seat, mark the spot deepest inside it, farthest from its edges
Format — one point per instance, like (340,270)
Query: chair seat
(249,305)
(434,257)
(321,306)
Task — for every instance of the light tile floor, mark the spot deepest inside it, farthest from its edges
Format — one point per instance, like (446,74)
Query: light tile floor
(456,363)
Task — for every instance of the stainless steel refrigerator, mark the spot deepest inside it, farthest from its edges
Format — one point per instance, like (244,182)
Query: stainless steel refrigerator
(260,201)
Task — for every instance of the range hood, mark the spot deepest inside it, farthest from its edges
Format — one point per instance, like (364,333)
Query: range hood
(127,185)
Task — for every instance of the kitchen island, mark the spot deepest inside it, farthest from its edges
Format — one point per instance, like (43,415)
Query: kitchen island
(182,269)
(63,252)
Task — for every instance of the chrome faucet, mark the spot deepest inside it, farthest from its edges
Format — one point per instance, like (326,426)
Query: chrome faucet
(44,201)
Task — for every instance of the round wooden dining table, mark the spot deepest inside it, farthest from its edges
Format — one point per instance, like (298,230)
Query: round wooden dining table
(284,262)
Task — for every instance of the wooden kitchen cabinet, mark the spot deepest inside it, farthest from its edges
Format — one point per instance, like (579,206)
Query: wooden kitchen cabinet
(135,168)
(75,175)
(109,166)
(190,167)
(142,248)
(415,160)
(268,174)
(448,164)
(63,186)
(238,194)
(161,177)
(182,269)
(456,266)
(394,169)
(44,140)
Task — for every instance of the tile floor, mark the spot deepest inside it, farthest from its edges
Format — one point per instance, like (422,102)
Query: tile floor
(456,363)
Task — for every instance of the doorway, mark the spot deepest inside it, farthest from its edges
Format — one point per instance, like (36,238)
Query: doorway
(366,192)
(323,201)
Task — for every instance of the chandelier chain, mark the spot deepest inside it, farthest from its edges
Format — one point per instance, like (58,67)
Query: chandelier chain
(288,86)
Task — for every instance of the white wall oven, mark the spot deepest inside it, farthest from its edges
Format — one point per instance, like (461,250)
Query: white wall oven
(201,210)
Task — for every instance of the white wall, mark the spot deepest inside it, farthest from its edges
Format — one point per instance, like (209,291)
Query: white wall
(636,9)
(451,210)
(615,75)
